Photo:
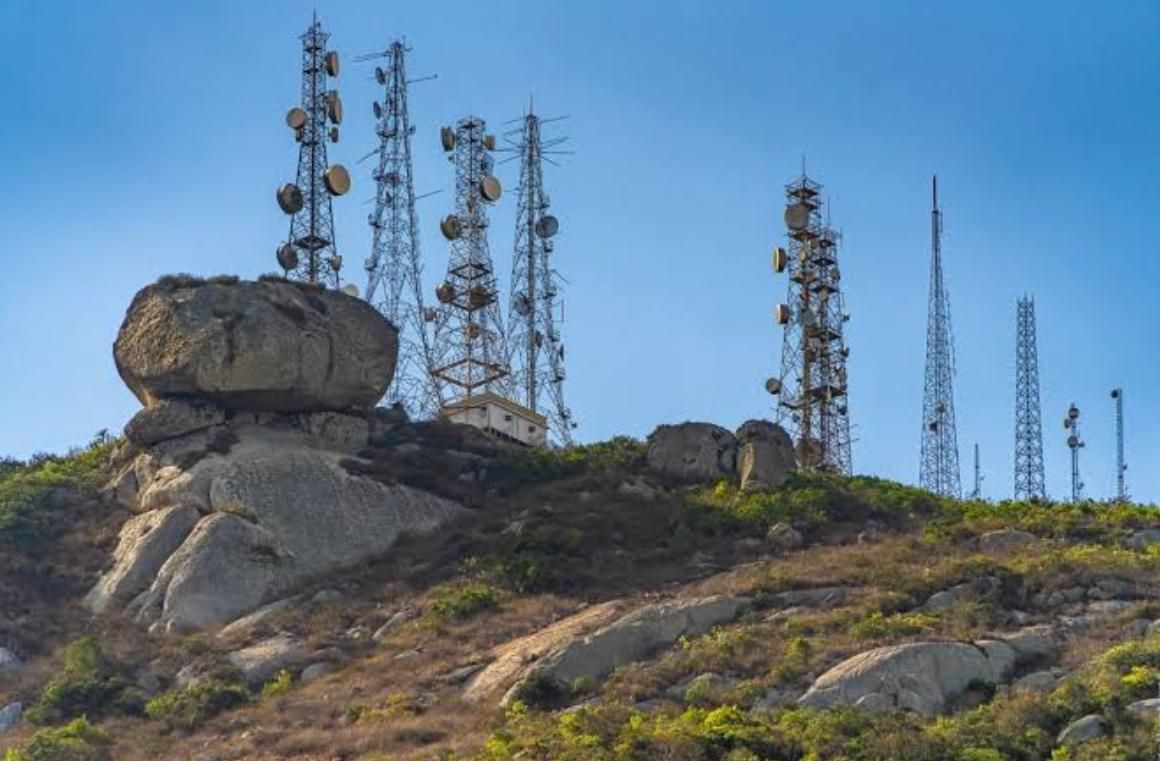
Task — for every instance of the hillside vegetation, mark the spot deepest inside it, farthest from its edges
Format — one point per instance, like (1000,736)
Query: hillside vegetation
(555,534)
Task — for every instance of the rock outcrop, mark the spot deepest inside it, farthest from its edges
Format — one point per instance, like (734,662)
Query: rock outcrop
(765,454)
(693,451)
(269,345)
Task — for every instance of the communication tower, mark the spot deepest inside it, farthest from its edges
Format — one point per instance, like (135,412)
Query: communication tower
(977,492)
(1074,443)
(310,253)
(536,311)
(1029,477)
(1121,466)
(395,268)
(812,389)
(939,470)
(469,354)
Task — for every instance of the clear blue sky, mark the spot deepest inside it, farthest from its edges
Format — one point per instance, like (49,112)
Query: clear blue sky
(143,138)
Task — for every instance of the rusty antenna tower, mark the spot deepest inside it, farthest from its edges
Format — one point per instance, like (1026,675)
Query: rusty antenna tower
(536,310)
(310,254)
(1029,478)
(1074,443)
(812,402)
(939,470)
(395,267)
(468,352)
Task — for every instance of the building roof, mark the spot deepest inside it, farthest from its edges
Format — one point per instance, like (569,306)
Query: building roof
(479,400)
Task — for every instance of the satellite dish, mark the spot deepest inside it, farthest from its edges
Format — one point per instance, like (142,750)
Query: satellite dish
(332,63)
(445,292)
(447,137)
(489,188)
(334,134)
(287,257)
(547,226)
(773,386)
(350,289)
(451,227)
(296,118)
(335,262)
(523,305)
(1115,393)
(1072,412)
(473,330)
(336,179)
(489,142)
(479,297)
(380,75)
(429,314)
(378,110)
(780,259)
(1073,441)
(782,313)
(334,107)
(797,217)
(290,198)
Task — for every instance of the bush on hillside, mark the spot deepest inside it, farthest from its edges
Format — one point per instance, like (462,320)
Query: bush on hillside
(88,685)
(197,703)
(75,741)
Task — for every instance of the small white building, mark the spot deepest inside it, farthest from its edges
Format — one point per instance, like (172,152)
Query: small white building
(494,414)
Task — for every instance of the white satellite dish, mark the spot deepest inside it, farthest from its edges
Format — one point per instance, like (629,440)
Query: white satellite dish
(797,217)
(336,179)
(332,65)
(773,386)
(296,118)
(447,138)
(290,198)
(445,292)
(350,289)
(334,107)
(287,257)
(490,188)
(547,226)
(451,227)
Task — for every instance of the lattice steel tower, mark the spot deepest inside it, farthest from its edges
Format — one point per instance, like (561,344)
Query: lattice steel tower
(812,389)
(1029,478)
(395,267)
(939,470)
(469,352)
(533,333)
(310,254)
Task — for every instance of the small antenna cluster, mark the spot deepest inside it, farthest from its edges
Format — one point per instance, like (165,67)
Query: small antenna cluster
(1074,443)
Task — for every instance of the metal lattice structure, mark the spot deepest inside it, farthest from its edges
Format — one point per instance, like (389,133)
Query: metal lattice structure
(1074,443)
(469,354)
(395,267)
(536,311)
(1121,465)
(311,253)
(812,388)
(939,470)
(1029,476)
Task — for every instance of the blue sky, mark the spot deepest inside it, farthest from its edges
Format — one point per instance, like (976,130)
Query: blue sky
(143,138)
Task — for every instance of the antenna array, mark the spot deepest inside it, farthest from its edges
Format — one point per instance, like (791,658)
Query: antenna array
(812,389)
(1029,477)
(534,340)
(307,200)
(1074,443)
(468,352)
(395,268)
(939,471)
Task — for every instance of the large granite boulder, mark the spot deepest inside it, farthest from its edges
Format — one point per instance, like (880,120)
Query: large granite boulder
(693,452)
(765,454)
(226,530)
(268,346)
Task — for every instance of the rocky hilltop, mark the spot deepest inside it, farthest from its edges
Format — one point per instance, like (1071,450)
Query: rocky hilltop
(265,567)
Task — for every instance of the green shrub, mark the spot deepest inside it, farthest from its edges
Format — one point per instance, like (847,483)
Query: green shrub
(280,684)
(192,706)
(88,685)
(76,741)
(530,561)
(463,600)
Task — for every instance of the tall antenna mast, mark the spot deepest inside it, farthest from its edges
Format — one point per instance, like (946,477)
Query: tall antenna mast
(977,492)
(1074,443)
(311,254)
(537,359)
(939,470)
(1121,466)
(1029,475)
(469,354)
(812,389)
(395,268)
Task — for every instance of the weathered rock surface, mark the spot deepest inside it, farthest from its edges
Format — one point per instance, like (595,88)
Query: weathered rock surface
(765,454)
(248,623)
(1143,538)
(1146,708)
(1037,681)
(317,671)
(1004,539)
(784,537)
(171,418)
(634,637)
(922,676)
(1090,727)
(271,513)
(693,451)
(8,660)
(261,662)
(10,716)
(267,345)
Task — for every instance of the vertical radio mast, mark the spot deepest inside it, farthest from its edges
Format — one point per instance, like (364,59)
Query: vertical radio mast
(939,471)
(1029,478)
(977,492)
(537,359)
(812,390)
(395,268)
(1074,443)
(1121,466)
(310,254)
(469,354)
